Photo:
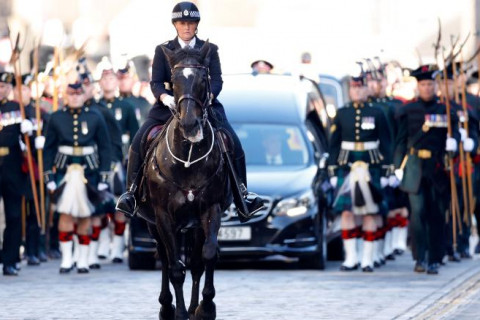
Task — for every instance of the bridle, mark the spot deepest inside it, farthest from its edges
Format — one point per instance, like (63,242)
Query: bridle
(204,104)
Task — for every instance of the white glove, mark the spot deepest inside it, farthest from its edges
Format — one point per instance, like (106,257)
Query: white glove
(39,142)
(333,181)
(463,134)
(468,144)
(393,181)
(383,182)
(125,138)
(451,145)
(23,147)
(169,101)
(26,127)
(102,186)
(51,186)
(399,174)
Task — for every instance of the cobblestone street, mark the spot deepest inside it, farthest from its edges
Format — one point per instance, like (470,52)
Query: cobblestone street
(269,290)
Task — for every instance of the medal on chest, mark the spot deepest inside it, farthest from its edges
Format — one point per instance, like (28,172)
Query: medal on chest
(118,114)
(84,127)
(368,123)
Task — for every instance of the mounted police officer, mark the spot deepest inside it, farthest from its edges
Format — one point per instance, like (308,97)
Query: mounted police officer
(359,147)
(185,19)
(12,179)
(420,149)
(77,146)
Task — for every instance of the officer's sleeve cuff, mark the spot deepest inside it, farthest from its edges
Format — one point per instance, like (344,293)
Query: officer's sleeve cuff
(48,176)
(332,171)
(104,176)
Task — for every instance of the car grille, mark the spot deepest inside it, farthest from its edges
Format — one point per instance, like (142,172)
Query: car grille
(229,216)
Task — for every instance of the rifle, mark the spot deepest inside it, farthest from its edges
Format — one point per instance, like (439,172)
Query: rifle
(471,205)
(39,133)
(15,61)
(453,190)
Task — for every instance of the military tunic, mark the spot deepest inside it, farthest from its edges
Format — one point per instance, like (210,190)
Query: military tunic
(12,179)
(142,106)
(70,134)
(421,141)
(359,133)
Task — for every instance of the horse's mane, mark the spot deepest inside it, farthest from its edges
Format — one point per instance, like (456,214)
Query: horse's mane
(186,53)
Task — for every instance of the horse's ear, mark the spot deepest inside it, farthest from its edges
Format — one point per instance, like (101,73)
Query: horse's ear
(205,53)
(170,54)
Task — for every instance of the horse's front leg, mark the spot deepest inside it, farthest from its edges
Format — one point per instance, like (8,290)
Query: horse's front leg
(210,224)
(176,268)
(197,268)
(167,310)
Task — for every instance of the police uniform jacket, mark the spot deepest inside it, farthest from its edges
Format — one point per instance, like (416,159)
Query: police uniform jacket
(162,76)
(74,128)
(11,175)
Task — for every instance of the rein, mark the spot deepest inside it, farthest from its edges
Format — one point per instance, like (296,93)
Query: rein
(188,162)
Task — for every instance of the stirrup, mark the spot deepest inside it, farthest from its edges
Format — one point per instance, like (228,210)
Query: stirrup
(125,205)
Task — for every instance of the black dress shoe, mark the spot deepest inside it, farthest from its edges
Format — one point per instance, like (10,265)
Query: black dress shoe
(465,255)
(42,256)
(65,270)
(454,257)
(10,271)
(33,261)
(383,262)
(117,260)
(94,266)
(367,269)
(82,270)
(55,254)
(419,267)
(345,268)
(390,257)
(432,268)
(376,264)
(398,252)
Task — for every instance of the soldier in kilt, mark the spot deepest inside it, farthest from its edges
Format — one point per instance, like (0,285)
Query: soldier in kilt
(358,149)
(78,149)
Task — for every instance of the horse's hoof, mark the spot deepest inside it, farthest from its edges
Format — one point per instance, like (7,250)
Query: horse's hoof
(206,311)
(167,313)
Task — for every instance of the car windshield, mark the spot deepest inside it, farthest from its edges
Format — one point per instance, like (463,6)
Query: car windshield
(272,144)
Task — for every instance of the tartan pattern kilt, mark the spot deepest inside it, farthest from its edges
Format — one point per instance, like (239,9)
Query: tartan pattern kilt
(344,201)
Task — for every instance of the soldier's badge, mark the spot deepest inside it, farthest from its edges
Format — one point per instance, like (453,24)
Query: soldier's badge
(118,114)
(333,128)
(425,127)
(84,128)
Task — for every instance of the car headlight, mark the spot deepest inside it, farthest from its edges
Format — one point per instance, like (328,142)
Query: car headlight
(295,206)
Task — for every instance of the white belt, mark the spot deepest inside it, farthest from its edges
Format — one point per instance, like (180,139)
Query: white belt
(76,151)
(360,146)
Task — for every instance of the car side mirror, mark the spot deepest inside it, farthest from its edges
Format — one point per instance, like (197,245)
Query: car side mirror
(322,164)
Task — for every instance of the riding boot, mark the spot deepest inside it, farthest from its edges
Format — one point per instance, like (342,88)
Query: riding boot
(126,202)
(253,202)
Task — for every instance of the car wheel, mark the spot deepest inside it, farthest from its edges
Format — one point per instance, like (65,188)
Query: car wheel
(317,260)
(141,261)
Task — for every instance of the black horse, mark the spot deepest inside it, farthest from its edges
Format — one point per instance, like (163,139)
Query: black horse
(187,187)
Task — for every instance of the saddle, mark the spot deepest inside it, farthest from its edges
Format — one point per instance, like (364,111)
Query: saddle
(149,141)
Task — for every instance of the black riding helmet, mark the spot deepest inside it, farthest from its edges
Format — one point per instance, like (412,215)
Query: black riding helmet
(185,11)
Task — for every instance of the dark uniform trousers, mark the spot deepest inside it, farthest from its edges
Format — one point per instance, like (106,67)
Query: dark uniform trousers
(427,222)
